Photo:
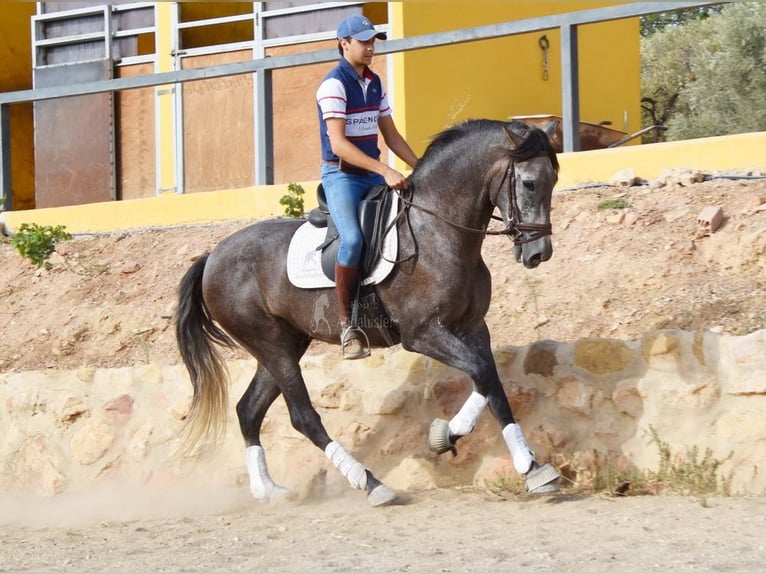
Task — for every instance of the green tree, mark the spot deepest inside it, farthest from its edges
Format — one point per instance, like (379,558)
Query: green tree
(708,76)
(666,69)
(653,23)
(729,89)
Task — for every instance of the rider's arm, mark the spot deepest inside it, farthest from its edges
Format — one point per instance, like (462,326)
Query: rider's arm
(395,141)
(348,152)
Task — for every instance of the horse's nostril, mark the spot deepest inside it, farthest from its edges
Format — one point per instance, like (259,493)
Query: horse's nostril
(534,261)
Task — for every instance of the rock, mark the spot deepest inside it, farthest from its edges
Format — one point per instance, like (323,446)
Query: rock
(379,400)
(575,396)
(129,268)
(625,178)
(122,405)
(74,408)
(682,177)
(411,474)
(33,468)
(90,442)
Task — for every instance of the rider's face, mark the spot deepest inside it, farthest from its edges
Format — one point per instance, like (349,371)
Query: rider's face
(358,52)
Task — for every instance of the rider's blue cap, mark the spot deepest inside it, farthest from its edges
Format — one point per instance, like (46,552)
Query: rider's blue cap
(358,27)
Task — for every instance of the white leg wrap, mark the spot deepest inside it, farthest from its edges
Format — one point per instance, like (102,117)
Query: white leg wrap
(522,455)
(261,485)
(354,471)
(465,420)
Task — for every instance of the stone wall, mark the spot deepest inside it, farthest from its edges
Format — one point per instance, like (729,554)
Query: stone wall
(581,404)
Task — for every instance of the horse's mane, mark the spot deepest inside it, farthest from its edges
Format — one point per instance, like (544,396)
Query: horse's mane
(534,143)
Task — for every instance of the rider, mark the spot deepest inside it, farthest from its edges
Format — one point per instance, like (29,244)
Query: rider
(352,107)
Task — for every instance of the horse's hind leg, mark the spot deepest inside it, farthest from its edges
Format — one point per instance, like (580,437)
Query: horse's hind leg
(306,420)
(279,372)
(251,410)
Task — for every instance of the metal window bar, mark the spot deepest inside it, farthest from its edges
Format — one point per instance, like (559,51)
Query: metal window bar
(561,21)
(108,32)
(215,21)
(42,44)
(267,12)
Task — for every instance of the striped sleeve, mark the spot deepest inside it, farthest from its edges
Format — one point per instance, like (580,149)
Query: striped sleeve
(385,108)
(331,97)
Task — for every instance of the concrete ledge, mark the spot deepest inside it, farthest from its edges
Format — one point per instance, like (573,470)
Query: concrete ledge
(161,211)
(743,151)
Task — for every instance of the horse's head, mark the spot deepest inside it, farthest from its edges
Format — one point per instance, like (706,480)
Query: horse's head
(533,172)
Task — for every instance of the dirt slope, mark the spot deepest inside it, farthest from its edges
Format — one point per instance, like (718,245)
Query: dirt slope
(109,300)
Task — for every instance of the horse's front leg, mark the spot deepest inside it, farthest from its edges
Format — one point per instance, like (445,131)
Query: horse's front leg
(473,355)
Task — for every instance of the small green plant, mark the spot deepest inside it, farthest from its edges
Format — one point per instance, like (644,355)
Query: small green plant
(37,242)
(613,204)
(293,201)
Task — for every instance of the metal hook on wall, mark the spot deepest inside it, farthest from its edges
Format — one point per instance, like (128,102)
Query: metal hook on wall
(544,46)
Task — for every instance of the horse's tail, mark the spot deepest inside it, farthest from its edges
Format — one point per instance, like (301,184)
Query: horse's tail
(196,333)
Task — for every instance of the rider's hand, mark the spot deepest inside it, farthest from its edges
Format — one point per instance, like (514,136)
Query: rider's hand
(395,180)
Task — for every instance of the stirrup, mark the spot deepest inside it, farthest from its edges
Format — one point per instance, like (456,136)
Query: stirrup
(348,337)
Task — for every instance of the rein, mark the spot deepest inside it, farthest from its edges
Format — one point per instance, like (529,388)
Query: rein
(514,229)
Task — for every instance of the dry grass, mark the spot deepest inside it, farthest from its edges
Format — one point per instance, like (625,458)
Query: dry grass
(690,474)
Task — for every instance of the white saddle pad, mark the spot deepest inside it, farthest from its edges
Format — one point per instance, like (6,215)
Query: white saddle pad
(304,261)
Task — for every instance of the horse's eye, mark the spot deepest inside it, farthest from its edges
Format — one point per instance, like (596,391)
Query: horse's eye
(529,184)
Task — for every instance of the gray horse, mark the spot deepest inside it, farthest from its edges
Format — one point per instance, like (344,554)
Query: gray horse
(436,297)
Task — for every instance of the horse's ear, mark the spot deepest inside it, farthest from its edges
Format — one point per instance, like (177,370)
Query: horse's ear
(516,139)
(550,128)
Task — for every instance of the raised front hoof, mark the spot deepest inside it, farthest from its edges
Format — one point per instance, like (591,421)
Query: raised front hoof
(381,495)
(439,439)
(542,479)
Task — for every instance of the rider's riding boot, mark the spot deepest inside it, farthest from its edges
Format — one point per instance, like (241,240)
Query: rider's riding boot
(353,341)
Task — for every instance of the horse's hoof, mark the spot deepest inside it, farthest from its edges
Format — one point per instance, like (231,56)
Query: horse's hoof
(274,493)
(279,492)
(381,495)
(542,479)
(439,437)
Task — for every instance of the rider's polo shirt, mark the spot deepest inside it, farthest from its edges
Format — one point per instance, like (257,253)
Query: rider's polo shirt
(358,101)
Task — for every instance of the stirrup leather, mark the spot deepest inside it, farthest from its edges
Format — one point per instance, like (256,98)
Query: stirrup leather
(348,337)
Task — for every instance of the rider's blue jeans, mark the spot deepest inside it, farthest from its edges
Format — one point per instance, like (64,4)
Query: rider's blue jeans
(344,192)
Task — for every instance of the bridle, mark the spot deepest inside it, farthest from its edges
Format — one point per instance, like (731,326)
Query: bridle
(516,230)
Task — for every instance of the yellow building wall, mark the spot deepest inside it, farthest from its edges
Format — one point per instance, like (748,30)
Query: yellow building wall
(504,77)
(16,74)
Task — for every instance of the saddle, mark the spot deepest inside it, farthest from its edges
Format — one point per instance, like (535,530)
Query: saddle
(376,218)
(374,211)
